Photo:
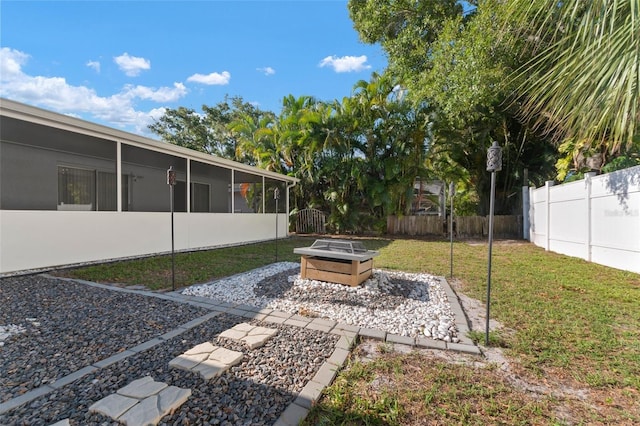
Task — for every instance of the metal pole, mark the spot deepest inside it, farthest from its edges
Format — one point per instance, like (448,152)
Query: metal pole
(276,196)
(173,253)
(171,181)
(491,207)
(451,191)
(494,164)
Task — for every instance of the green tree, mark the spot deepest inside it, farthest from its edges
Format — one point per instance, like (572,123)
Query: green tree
(356,158)
(254,141)
(184,127)
(208,131)
(460,68)
(284,144)
(372,156)
(406,29)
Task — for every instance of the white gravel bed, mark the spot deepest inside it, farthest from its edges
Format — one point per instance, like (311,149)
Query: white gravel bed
(397,302)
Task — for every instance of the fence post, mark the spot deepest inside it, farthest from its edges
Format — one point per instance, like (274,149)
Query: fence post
(587,199)
(525,213)
(548,184)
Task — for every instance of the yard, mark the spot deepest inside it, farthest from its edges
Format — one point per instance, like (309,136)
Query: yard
(566,350)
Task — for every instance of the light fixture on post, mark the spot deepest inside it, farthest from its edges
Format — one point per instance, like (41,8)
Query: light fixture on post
(276,196)
(171,181)
(494,164)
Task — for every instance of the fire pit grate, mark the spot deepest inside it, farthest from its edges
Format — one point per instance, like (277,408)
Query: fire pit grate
(339,246)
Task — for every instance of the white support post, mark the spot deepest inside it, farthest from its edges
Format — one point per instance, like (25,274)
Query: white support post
(188,179)
(288,201)
(233,191)
(548,184)
(525,213)
(532,215)
(587,200)
(118,176)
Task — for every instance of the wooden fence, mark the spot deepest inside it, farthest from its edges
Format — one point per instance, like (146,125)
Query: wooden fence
(310,221)
(464,226)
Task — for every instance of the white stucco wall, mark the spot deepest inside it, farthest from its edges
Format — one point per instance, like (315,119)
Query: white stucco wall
(41,239)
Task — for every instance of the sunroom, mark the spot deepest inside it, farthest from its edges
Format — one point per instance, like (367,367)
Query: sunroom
(72,191)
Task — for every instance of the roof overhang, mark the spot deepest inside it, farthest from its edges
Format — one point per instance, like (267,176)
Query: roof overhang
(41,116)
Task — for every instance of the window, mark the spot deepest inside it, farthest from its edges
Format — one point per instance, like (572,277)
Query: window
(247,193)
(218,180)
(147,188)
(200,197)
(107,191)
(76,189)
(270,191)
(85,189)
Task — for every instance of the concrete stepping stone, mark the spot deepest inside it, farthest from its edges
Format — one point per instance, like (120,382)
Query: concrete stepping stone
(142,402)
(252,335)
(113,405)
(207,360)
(142,388)
(202,348)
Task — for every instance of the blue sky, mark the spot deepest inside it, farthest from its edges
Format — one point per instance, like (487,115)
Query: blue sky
(120,63)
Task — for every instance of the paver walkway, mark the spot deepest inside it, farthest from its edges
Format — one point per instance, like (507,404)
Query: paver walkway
(206,359)
(142,402)
(252,335)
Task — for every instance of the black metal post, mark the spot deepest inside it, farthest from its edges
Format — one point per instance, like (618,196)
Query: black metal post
(173,251)
(494,164)
(171,181)
(276,196)
(491,206)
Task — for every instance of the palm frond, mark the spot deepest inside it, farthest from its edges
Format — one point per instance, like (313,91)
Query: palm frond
(584,78)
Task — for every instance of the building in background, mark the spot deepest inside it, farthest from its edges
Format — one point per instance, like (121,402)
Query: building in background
(72,191)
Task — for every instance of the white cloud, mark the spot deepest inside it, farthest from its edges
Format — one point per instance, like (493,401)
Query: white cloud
(95,65)
(220,79)
(57,94)
(132,65)
(156,113)
(266,70)
(346,63)
(163,94)
(11,62)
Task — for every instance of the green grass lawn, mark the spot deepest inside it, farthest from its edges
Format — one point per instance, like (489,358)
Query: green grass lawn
(562,309)
(194,267)
(567,323)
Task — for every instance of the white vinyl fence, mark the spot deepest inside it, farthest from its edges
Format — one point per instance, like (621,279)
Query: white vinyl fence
(596,219)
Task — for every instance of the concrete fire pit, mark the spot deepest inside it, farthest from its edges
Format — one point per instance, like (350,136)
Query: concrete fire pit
(337,261)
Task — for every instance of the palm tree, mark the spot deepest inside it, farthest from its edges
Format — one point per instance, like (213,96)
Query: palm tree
(255,141)
(583,81)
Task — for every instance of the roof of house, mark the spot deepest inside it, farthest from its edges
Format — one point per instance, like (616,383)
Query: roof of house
(41,116)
